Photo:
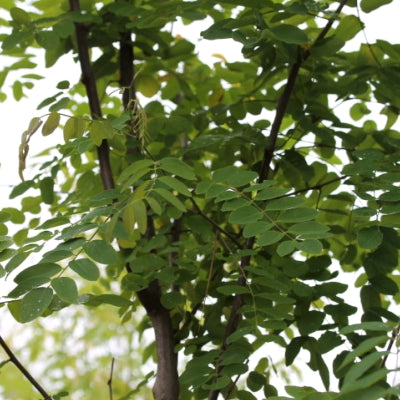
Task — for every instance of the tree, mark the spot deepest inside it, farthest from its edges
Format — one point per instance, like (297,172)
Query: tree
(226,212)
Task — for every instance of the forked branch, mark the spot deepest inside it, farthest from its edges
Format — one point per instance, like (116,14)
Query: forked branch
(13,358)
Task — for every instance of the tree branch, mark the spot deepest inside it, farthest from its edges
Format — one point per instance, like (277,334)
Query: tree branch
(280,112)
(215,225)
(269,150)
(89,80)
(126,68)
(166,386)
(23,370)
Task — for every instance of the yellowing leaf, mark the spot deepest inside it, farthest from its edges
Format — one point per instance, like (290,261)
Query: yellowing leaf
(100,130)
(148,85)
(51,123)
(216,96)
(128,218)
(24,146)
(220,56)
(74,128)
(141,215)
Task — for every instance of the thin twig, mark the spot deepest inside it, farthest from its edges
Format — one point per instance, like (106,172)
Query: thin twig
(318,186)
(391,342)
(214,224)
(233,385)
(110,379)
(23,370)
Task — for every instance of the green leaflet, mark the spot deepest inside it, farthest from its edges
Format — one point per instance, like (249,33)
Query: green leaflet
(245,215)
(234,176)
(289,34)
(177,167)
(364,347)
(86,268)
(269,237)
(100,130)
(170,198)
(34,303)
(370,5)
(370,238)
(175,184)
(74,128)
(172,299)
(367,326)
(65,289)
(47,190)
(100,251)
(39,270)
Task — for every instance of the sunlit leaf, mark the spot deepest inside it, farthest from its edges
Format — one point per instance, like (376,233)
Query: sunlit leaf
(370,5)
(170,198)
(51,123)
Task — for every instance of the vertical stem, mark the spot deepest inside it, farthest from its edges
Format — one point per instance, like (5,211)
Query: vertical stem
(89,80)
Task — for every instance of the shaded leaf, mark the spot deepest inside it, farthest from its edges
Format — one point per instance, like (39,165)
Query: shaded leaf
(269,237)
(170,198)
(177,167)
(34,303)
(65,289)
(370,238)
(100,251)
(85,268)
(47,190)
(289,34)
(245,215)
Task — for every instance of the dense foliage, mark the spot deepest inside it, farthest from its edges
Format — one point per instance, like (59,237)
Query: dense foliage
(225,208)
